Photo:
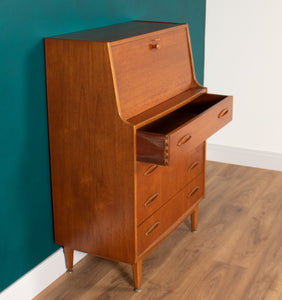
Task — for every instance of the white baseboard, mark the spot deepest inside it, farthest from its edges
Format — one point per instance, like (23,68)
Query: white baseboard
(36,280)
(244,157)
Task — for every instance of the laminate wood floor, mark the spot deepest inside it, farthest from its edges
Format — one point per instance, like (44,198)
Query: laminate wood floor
(236,254)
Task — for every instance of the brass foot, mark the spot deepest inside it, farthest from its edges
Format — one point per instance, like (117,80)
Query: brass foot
(69,271)
(136,290)
(194,230)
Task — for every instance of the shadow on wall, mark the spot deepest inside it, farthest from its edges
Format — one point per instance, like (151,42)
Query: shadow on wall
(37,154)
(29,199)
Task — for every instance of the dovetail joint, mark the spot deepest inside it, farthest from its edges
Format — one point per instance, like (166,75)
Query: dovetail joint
(166,150)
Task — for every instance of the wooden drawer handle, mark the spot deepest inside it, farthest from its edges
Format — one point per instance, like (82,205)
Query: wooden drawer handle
(155,44)
(194,191)
(152,228)
(184,140)
(151,199)
(150,170)
(194,165)
(223,113)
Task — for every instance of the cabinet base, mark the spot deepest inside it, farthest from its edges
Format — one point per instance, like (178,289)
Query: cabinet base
(137,267)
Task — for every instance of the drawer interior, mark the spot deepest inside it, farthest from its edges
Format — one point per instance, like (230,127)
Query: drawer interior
(182,115)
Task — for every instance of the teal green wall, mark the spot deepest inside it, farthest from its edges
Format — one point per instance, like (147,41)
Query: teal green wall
(26,236)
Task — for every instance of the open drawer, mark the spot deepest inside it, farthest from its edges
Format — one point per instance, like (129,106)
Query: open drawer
(183,129)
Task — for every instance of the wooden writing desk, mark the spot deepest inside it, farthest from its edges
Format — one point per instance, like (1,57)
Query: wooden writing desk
(127,129)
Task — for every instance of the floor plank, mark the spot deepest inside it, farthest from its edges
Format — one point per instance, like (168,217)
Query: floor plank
(235,254)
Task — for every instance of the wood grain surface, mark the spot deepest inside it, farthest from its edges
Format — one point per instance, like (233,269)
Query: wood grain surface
(235,254)
(92,167)
(157,75)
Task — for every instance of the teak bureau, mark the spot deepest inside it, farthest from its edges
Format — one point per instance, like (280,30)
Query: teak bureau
(127,129)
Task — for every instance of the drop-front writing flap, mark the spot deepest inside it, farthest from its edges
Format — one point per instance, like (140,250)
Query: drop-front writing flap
(150,69)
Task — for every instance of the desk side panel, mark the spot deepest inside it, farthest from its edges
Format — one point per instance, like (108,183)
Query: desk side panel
(91,152)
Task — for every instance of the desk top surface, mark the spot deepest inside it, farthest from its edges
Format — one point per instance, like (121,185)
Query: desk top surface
(118,31)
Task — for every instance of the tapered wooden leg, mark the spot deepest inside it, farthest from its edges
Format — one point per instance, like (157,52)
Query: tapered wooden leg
(137,275)
(68,259)
(194,219)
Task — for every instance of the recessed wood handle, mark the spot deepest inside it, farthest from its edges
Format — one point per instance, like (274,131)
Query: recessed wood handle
(194,165)
(194,191)
(152,228)
(223,113)
(151,199)
(184,140)
(155,44)
(150,170)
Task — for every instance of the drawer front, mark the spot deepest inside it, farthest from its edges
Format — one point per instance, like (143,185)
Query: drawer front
(164,220)
(196,190)
(148,179)
(196,131)
(196,162)
(152,69)
(182,170)
(149,196)
(155,190)
(164,182)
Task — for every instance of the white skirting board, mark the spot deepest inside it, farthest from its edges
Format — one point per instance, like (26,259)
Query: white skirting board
(244,157)
(36,280)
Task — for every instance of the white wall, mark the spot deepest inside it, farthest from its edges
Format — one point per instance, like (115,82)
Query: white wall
(243,57)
